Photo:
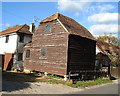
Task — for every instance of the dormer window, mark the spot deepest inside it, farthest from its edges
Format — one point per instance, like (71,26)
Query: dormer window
(48,28)
(7,39)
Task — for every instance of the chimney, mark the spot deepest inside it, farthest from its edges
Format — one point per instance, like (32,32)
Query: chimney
(32,28)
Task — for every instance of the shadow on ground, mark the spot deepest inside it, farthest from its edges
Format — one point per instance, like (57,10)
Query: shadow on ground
(12,81)
(112,78)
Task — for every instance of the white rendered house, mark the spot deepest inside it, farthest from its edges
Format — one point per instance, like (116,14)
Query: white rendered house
(13,40)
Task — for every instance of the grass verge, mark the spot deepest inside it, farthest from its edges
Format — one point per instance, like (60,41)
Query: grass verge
(91,83)
(52,79)
(82,84)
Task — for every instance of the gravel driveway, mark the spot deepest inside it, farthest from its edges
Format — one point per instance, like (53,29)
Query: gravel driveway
(36,88)
(18,83)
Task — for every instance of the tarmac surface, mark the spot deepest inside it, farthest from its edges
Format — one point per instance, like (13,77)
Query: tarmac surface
(10,87)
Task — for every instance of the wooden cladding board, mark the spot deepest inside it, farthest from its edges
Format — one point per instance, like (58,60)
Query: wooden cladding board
(56,46)
(81,53)
(64,52)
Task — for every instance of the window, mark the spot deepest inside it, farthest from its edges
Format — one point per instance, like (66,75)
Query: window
(96,63)
(7,39)
(43,52)
(20,56)
(107,51)
(48,28)
(105,63)
(21,38)
(27,53)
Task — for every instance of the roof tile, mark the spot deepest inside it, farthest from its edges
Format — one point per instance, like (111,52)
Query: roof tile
(106,46)
(71,25)
(22,29)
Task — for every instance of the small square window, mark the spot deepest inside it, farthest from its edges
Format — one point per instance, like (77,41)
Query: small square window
(43,52)
(48,28)
(7,39)
(27,53)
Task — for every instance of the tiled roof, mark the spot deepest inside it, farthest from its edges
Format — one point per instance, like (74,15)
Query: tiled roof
(106,46)
(21,29)
(71,25)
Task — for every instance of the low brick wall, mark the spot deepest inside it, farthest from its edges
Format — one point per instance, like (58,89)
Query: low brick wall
(115,71)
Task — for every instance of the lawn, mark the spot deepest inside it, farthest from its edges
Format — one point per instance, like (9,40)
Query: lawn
(98,81)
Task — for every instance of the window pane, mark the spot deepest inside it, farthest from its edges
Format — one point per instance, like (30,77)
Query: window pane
(7,38)
(48,28)
(43,52)
(27,53)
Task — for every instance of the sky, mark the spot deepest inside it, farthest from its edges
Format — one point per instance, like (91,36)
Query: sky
(98,17)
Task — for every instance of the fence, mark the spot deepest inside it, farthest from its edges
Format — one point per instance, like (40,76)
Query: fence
(115,71)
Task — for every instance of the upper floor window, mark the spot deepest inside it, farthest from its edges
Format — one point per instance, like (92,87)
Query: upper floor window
(21,38)
(28,53)
(7,39)
(48,28)
(43,52)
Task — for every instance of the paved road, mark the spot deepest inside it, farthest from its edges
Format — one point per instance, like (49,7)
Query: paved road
(105,89)
(41,88)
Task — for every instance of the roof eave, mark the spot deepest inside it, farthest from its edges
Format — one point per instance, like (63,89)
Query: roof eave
(8,33)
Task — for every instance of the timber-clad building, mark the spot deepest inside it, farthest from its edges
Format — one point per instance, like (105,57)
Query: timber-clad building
(60,45)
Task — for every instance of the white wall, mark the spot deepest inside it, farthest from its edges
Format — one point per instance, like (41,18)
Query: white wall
(14,45)
(9,47)
(97,50)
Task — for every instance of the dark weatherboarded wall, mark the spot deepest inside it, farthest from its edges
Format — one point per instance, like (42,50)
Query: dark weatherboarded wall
(81,54)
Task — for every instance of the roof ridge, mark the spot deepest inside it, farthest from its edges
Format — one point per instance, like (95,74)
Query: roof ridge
(21,27)
(16,29)
(57,14)
(69,24)
(13,27)
(54,17)
(108,43)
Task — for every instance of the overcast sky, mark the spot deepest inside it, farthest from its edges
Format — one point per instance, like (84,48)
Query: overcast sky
(97,17)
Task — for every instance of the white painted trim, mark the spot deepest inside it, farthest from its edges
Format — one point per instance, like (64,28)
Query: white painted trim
(99,49)
(10,34)
(62,25)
